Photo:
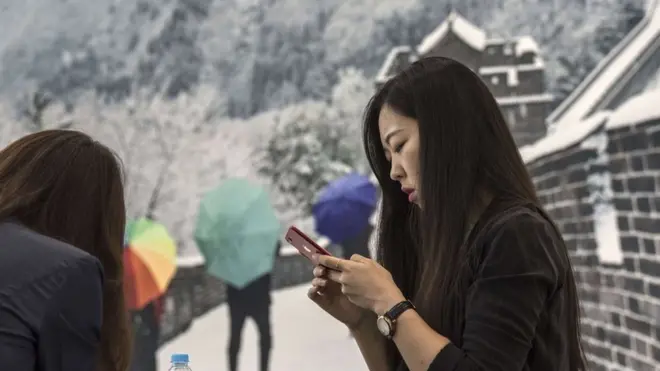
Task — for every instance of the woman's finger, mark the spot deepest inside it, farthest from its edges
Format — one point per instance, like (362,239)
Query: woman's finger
(332,262)
(320,282)
(316,294)
(335,276)
(319,271)
(359,258)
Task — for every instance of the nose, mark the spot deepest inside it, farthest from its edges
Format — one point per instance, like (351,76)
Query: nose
(396,171)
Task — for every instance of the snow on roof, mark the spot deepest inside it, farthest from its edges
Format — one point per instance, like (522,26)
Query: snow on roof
(522,99)
(611,70)
(471,34)
(526,44)
(512,77)
(641,108)
(498,41)
(383,73)
(537,65)
(563,137)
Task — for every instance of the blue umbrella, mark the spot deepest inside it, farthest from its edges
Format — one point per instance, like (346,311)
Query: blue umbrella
(344,207)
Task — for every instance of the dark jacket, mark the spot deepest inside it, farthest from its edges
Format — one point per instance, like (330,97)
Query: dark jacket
(256,293)
(515,314)
(51,301)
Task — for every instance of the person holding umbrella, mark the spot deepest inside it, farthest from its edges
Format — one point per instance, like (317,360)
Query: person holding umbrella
(150,261)
(254,301)
(343,211)
(238,233)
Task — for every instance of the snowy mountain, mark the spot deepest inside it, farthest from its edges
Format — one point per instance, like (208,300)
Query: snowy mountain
(188,92)
(264,53)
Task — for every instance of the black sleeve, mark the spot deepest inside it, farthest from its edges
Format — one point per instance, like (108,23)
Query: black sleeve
(70,334)
(515,279)
(17,338)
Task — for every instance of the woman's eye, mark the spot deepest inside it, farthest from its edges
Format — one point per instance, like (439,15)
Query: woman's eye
(398,148)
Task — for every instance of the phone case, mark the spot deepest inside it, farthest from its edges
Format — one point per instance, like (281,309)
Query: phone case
(303,243)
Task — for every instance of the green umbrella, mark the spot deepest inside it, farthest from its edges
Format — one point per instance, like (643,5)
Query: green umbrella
(237,232)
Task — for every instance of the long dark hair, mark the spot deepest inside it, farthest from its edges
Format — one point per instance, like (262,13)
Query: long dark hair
(465,148)
(67,186)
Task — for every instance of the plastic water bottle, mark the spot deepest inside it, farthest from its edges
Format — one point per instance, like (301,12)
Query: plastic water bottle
(180,362)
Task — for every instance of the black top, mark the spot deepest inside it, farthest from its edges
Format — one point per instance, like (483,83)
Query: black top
(515,309)
(50,303)
(256,293)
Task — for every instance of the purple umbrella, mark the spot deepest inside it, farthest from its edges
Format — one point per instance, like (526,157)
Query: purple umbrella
(344,207)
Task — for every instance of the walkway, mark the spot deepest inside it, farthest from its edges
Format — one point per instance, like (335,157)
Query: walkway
(304,337)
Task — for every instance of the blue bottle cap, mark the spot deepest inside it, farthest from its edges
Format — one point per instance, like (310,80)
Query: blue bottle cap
(179,358)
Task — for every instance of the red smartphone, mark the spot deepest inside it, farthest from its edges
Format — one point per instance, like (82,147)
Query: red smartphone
(303,243)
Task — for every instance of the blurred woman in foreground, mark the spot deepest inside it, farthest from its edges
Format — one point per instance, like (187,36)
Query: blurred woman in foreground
(62,218)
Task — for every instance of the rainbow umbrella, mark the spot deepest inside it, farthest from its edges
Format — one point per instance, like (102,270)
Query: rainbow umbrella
(149,262)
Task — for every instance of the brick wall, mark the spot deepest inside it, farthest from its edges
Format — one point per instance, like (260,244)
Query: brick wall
(602,187)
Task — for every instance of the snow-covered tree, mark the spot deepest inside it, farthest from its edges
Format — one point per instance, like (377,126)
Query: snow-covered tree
(304,153)
(160,143)
(10,127)
(349,99)
(313,142)
(625,15)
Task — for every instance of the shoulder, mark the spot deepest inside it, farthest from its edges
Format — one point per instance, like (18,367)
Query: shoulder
(522,220)
(39,274)
(523,238)
(28,256)
(31,241)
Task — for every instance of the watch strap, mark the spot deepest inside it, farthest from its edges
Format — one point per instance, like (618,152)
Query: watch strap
(398,309)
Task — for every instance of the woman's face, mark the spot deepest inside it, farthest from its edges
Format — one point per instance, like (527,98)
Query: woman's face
(400,138)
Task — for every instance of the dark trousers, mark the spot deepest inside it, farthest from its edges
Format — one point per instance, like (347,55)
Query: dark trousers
(261,316)
(145,344)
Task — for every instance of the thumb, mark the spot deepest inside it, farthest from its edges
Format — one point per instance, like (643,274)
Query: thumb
(359,258)
(316,296)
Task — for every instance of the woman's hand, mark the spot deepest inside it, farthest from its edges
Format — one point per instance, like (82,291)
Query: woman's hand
(327,294)
(363,282)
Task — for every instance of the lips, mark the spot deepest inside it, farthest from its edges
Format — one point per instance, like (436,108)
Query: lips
(412,194)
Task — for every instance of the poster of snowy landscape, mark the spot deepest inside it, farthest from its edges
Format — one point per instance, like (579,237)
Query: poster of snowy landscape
(190,92)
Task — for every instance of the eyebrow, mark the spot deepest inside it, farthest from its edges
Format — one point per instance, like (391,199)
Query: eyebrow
(390,135)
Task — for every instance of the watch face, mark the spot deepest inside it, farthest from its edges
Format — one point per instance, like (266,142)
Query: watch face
(383,325)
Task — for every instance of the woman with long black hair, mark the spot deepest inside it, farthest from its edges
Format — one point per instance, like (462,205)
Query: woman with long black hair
(471,274)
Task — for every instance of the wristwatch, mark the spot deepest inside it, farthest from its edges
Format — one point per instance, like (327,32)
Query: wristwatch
(387,322)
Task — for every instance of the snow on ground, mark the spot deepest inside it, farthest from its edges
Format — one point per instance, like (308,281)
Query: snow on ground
(304,339)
